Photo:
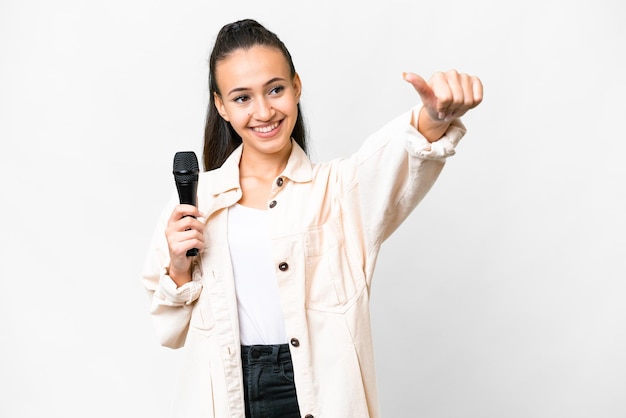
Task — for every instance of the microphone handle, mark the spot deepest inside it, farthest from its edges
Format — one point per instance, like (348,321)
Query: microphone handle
(187,194)
(192,252)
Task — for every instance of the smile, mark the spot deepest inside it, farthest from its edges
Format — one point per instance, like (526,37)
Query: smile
(266,129)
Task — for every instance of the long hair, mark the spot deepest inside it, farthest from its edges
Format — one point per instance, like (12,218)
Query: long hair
(220,139)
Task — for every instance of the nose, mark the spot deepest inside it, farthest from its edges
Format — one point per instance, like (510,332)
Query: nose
(263,110)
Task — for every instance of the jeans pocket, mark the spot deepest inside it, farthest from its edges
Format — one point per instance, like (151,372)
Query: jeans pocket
(286,371)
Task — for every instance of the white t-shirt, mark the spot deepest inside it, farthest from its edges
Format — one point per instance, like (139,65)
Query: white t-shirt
(261,318)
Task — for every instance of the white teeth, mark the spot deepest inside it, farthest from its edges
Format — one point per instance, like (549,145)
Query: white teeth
(266,129)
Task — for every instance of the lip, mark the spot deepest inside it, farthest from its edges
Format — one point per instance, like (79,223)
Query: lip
(270,133)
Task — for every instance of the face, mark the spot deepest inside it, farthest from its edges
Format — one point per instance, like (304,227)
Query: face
(259,98)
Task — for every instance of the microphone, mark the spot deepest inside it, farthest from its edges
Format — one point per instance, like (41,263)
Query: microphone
(186,178)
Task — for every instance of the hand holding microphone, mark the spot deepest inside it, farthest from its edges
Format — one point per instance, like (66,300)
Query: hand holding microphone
(186,177)
(184,232)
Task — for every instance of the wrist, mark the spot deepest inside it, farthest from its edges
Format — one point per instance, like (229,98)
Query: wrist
(430,127)
(179,277)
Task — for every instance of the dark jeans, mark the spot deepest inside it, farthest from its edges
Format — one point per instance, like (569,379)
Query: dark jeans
(268,382)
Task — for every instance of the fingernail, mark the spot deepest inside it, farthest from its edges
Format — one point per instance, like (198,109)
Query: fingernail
(441,115)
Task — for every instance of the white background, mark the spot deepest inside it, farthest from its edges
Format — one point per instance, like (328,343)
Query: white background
(503,295)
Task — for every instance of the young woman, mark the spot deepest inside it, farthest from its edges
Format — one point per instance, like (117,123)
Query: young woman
(274,312)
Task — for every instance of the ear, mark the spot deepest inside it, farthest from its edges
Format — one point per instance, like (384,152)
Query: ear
(219,105)
(297,85)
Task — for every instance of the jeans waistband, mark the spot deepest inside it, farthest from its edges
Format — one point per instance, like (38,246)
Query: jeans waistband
(268,354)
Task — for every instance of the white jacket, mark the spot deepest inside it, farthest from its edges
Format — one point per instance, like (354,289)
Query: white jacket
(327,224)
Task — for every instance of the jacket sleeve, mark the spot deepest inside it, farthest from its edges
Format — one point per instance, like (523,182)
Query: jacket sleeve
(395,169)
(170,306)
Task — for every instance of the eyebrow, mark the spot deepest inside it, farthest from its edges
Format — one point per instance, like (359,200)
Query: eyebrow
(238,89)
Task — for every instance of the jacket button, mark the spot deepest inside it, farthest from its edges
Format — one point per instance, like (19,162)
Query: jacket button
(272,204)
(295,342)
(283,266)
(279,181)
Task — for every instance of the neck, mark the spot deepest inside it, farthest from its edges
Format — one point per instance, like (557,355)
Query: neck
(261,165)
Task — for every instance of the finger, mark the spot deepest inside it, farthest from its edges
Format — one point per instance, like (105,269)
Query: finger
(477,89)
(185,224)
(468,89)
(420,85)
(183,229)
(182,210)
(178,254)
(456,94)
(428,96)
(190,239)
(180,242)
(442,93)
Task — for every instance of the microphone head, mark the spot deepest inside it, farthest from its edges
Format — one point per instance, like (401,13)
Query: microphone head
(185,167)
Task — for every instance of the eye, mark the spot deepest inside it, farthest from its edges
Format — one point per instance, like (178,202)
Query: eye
(276,90)
(241,99)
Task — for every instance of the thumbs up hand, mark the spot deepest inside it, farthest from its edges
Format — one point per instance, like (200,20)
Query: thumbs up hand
(445,97)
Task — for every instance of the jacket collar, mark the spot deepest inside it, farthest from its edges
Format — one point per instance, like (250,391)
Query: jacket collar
(223,183)
(299,169)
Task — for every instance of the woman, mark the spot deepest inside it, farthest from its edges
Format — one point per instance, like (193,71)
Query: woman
(274,312)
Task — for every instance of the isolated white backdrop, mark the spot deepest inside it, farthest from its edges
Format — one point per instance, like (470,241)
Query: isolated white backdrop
(503,295)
